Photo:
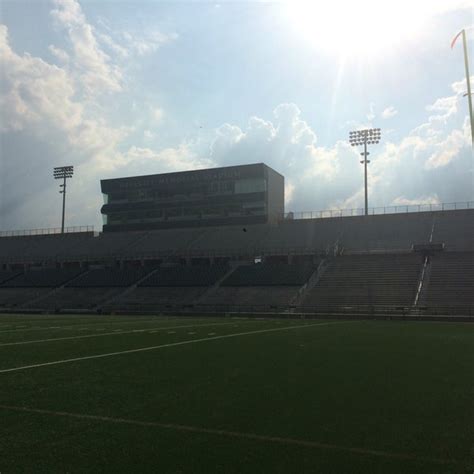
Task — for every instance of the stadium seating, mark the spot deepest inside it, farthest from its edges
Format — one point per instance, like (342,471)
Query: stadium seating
(455,229)
(388,233)
(369,262)
(264,274)
(367,280)
(43,277)
(311,234)
(163,243)
(109,277)
(170,287)
(258,287)
(19,297)
(179,275)
(394,232)
(249,298)
(105,245)
(230,240)
(80,298)
(156,298)
(41,247)
(6,275)
(451,281)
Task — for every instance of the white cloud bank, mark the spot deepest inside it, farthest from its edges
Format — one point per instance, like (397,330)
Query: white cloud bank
(50,117)
(53,115)
(389,112)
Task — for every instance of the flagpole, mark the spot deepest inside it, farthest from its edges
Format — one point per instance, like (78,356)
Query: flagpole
(468,80)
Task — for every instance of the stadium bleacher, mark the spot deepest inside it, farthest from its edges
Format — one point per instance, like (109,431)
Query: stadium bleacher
(366,280)
(109,277)
(43,277)
(267,274)
(179,275)
(368,261)
(249,299)
(450,281)
(455,229)
(6,275)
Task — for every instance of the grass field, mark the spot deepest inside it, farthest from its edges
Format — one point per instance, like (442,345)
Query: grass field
(203,395)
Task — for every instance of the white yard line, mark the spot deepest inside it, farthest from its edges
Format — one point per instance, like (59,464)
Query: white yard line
(113,333)
(233,434)
(99,323)
(162,346)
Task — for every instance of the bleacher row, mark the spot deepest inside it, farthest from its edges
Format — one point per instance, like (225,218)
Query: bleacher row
(344,282)
(396,232)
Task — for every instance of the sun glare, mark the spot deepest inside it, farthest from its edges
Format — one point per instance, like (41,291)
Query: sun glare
(365,28)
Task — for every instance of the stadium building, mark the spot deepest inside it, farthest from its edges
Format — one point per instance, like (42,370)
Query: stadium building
(247,194)
(216,241)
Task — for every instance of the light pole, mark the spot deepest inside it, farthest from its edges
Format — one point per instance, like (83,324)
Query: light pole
(468,78)
(369,136)
(63,172)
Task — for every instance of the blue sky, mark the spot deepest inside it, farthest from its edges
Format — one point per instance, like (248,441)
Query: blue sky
(127,88)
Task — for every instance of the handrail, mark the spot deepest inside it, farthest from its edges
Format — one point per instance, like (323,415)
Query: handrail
(46,231)
(399,209)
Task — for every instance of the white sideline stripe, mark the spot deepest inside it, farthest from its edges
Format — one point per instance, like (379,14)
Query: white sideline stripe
(162,346)
(113,333)
(233,434)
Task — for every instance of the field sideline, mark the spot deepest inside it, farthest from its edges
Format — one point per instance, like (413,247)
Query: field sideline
(234,395)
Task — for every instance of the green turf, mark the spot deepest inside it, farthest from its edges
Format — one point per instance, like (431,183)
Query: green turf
(372,397)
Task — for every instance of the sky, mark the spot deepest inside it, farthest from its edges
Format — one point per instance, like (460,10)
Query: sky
(120,88)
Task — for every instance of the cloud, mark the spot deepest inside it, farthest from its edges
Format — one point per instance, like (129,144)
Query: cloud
(45,122)
(420,200)
(371,114)
(146,42)
(138,160)
(97,74)
(157,114)
(288,142)
(460,87)
(35,92)
(433,163)
(446,150)
(313,174)
(61,112)
(59,53)
(389,112)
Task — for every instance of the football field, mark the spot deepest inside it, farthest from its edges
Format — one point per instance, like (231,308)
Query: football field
(234,395)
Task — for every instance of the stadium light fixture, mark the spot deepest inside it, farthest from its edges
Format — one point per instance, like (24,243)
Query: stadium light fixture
(468,78)
(63,172)
(369,136)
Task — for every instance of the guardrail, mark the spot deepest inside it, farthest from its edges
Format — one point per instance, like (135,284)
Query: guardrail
(399,209)
(46,231)
(346,311)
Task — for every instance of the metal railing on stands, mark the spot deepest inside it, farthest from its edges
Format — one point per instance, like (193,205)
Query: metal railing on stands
(321,311)
(399,209)
(46,231)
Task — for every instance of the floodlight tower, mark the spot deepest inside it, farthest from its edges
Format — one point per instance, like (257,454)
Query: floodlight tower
(63,172)
(369,136)
(468,78)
